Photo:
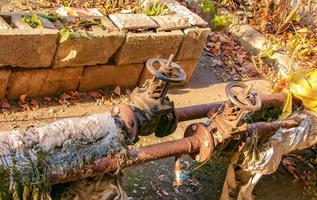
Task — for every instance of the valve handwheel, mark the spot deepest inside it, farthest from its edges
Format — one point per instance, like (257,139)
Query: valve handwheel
(177,73)
(244,98)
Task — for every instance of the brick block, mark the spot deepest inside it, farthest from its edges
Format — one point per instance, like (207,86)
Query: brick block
(102,44)
(139,47)
(96,77)
(43,82)
(193,43)
(26,47)
(4,79)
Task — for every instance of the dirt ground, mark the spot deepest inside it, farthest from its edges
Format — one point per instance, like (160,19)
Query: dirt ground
(154,180)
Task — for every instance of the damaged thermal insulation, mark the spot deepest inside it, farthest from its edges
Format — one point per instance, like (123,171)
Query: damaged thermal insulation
(31,160)
(260,157)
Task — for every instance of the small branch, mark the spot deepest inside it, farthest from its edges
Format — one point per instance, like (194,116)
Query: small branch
(290,16)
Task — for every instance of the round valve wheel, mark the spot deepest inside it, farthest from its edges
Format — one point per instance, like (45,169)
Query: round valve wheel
(239,95)
(155,65)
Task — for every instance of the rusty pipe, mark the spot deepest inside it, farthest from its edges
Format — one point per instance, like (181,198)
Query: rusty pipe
(197,111)
(264,128)
(189,145)
(200,111)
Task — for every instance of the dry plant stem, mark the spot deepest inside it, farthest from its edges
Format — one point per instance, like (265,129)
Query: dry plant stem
(268,10)
(290,16)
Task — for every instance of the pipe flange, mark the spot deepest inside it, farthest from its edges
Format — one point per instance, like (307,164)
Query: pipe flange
(205,139)
(127,116)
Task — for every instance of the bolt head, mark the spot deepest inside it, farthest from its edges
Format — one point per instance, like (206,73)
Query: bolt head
(197,157)
(116,110)
(194,127)
(207,144)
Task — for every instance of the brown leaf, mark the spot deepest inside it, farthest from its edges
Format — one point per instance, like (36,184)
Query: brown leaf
(34,104)
(165,193)
(65,96)
(25,106)
(22,99)
(5,104)
(47,99)
(95,94)
(216,62)
(117,90)
(74,94)
(128,92)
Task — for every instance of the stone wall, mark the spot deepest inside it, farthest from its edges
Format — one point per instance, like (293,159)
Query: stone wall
(34,62)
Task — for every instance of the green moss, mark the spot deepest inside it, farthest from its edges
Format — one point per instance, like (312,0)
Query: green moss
(33,20)
(4,184)
(157,9)
(26,176)
(265,115)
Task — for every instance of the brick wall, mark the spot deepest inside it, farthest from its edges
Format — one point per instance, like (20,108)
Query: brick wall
(34,62)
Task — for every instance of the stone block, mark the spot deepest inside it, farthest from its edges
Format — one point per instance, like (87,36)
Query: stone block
(139,47)
(181,10)
(4,79)
(102,44)
(100,76)
(189,67)
(26,47)
(193,43)
(43,82)
(250,38)
(132,21)
(171,22)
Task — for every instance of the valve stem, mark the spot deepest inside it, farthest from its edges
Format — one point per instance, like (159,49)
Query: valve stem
(179,175)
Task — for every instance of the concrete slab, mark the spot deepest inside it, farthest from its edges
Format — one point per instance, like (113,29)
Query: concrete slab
(181,10)
(132,21)
(171,22)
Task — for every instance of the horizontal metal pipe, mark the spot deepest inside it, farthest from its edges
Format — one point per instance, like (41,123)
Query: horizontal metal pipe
(189,145)
(196,112)
(265,128)
(200,111)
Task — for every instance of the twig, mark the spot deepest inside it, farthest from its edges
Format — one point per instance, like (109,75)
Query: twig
(290,16)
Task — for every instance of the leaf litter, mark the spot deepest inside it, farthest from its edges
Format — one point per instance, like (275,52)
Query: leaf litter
(230,62)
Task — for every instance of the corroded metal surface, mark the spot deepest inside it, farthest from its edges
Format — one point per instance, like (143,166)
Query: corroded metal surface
(189,145)
(201,111)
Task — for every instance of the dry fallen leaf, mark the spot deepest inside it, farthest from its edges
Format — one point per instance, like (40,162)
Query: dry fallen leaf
(117,90)
(95,94)
(5,105)
(34,104)
(22,99)
(165,193)
(128,92)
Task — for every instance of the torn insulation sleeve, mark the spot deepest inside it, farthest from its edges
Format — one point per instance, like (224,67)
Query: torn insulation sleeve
(28,156)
